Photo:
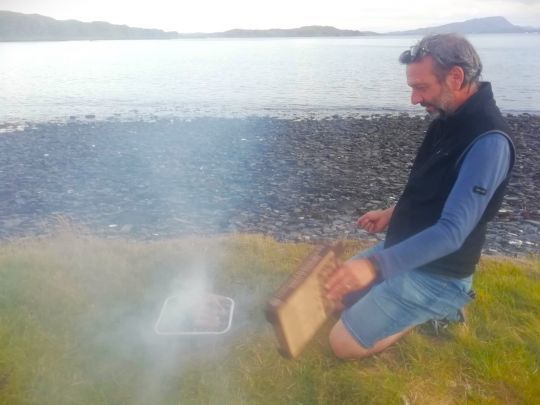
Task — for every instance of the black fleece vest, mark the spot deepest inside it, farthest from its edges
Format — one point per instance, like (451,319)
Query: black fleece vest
(434,173)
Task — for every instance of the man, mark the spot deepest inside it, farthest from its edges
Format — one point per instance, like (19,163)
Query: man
(436,231)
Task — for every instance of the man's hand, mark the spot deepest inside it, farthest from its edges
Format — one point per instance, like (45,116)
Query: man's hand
(375,221)
(353,275)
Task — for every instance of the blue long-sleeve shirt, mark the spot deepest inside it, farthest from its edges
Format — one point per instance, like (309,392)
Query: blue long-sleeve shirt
(484,168)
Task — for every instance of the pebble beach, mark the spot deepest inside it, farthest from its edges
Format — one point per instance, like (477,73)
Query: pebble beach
(292,179)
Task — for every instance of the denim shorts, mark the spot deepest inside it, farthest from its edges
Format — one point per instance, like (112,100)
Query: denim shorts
(408,299)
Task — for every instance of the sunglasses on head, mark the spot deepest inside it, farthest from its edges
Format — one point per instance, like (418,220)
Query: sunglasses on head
(417,51)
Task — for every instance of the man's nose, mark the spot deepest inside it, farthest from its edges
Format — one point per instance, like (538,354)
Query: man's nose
(415,98)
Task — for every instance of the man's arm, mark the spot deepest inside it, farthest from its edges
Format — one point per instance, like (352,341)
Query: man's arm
(484,168)
(485,165)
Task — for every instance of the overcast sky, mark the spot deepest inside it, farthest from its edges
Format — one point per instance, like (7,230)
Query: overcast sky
(221,15)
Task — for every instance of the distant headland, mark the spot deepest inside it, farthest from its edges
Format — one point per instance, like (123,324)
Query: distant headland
(35,27)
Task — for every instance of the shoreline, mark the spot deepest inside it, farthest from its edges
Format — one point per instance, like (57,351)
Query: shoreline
(293,179)
(13,124)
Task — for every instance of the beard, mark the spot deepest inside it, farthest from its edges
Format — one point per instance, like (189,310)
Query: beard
(440,107)
(433,111)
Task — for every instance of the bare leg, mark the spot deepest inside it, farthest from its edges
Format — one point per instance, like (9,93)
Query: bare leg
(345,346)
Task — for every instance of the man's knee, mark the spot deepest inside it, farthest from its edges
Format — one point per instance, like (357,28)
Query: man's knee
(344,345)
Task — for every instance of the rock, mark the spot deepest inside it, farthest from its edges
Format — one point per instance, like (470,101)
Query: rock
(530,221)
(289,179)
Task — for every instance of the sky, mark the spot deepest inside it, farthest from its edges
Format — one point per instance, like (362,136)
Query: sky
(221,15)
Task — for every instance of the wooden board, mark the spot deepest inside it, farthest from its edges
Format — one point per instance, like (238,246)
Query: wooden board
(299,308)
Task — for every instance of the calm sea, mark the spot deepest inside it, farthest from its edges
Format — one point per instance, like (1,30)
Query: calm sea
(42,81)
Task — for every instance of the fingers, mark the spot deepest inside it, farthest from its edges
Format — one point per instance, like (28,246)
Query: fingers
(353,275)
(373,221)
(335,280)
(368,225)
(339,284)
(371,227)
(364,223)
(369,221)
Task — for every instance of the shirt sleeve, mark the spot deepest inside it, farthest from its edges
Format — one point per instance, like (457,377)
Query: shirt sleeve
(484,168)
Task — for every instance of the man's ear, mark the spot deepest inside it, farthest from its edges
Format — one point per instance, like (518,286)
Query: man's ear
(455,78)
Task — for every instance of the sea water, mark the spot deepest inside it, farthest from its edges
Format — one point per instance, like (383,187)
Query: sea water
(286,77)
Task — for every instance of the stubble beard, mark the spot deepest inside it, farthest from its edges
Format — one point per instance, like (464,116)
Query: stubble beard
(442,106)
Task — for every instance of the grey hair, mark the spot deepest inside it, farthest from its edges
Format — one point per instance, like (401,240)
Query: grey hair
(447,51)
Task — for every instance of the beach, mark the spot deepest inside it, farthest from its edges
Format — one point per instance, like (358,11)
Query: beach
(291,179)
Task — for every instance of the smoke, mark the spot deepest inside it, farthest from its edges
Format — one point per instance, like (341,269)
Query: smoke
(124,290)
(193,329)
(104,297)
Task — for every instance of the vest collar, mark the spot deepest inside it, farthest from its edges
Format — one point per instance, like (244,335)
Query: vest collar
(472,105)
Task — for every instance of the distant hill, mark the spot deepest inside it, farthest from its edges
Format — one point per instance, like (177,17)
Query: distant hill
(488,25)
(307,31)
(35,27)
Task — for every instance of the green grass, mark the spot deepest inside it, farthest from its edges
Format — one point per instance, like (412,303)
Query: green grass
(77,312)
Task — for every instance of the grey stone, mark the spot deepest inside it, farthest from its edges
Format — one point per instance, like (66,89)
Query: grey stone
(289,178)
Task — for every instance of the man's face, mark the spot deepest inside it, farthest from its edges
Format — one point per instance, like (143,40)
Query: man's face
(427,91)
